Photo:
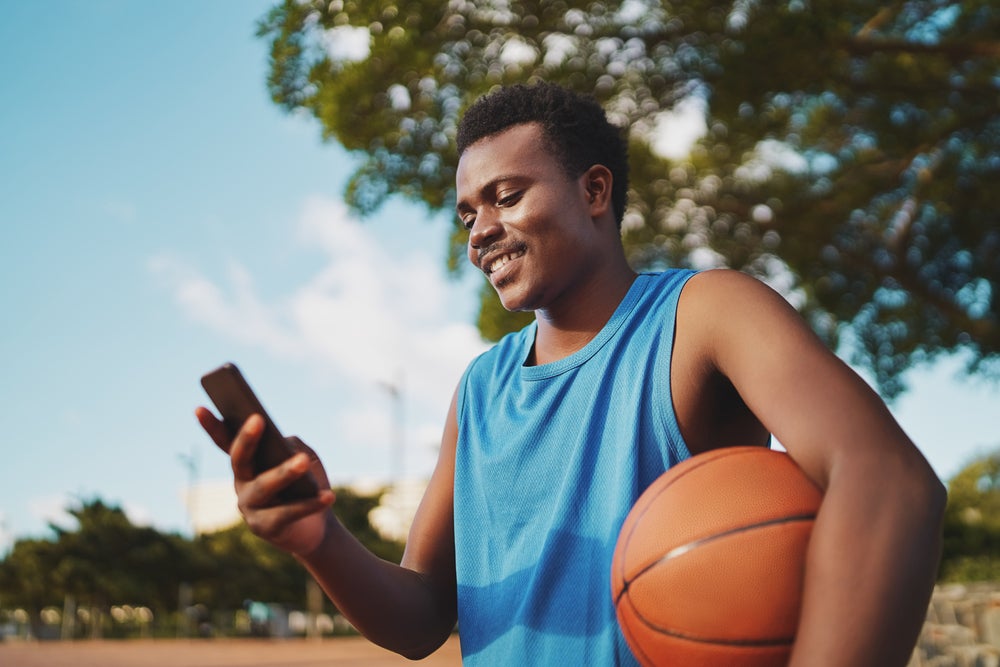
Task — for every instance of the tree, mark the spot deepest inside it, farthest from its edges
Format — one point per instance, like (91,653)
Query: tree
(237,566)
(354,509)
(972,522)
(24,579)
(104,559)
(847,158)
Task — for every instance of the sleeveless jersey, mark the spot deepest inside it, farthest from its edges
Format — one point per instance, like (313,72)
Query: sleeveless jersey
(549,461)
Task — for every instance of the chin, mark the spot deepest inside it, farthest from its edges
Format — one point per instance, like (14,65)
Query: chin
(517,303)
(510,298)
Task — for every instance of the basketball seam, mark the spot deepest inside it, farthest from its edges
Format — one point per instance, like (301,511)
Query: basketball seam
(632,640)
(722,453)
(684,548)
(747,643)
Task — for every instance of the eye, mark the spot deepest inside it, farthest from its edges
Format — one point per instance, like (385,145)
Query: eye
(509,199)
(467,221)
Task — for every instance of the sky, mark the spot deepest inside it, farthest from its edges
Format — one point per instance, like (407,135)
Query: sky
(161,216)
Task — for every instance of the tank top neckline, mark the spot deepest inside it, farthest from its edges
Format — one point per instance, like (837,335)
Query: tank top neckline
(581,356)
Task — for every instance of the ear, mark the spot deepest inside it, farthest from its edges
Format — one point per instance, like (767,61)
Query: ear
(597,183)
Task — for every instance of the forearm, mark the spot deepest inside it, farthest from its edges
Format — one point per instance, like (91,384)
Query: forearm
(871,566)
(394,607)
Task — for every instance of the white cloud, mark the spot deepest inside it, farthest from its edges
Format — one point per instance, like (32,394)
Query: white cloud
(633,11)
(346,43)
(52,509)
(399,97)
(237,313)
(516,51)
(558,49)
(770,156)
(138,515)
(676,131)
(370,315)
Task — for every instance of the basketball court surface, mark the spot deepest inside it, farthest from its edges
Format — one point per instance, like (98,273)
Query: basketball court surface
(338,652)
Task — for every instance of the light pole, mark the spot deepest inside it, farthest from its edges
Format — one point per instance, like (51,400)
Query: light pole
(190,461)
(397,446)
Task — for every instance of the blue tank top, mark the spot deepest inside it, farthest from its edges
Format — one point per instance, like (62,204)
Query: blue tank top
(549,461)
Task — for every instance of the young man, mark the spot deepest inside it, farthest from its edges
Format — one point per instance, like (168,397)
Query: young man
(553,434)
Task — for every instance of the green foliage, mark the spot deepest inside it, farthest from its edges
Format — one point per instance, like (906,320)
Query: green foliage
(353,509)
(849,150)
(25,575)
(236,565)
(107,560)
(972,523)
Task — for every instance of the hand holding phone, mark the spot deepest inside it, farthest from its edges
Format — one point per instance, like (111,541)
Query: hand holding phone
(236,401)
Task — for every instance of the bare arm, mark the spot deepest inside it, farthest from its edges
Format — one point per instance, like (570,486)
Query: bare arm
(408,608)
(876,542)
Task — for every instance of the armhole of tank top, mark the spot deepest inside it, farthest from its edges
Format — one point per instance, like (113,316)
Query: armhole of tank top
(462,399)
(678,446)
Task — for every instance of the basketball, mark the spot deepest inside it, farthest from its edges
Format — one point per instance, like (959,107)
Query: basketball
(709,564)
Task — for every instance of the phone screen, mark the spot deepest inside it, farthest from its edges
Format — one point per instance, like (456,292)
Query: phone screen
(236,401)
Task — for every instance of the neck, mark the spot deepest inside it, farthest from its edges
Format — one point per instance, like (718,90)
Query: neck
(567,326)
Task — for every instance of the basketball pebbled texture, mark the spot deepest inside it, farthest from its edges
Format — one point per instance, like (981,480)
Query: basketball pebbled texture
(709,564)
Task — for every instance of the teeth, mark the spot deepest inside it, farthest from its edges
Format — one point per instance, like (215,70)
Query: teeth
(499,262)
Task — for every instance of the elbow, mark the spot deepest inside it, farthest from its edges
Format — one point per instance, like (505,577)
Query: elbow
(935,497)
(940,499)
(416,654)
(925,498)
(423,650)
(937,501)
(419,652)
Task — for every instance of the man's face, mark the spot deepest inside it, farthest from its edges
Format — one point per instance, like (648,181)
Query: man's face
(530,229)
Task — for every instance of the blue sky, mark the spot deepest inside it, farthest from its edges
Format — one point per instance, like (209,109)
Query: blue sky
(160,216)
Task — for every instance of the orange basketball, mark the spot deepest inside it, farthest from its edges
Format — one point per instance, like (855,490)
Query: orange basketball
(708,568)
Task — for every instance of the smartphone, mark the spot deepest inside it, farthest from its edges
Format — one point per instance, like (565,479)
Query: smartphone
(236,401)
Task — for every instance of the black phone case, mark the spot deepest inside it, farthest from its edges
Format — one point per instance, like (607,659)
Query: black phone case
(236,401)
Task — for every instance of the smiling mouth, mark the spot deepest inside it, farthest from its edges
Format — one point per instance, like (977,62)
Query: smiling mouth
(501,259)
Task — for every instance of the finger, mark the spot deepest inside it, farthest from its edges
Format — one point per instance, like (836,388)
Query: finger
(216,430)
(269,522)
(244,445)
(316,466)
(266,486)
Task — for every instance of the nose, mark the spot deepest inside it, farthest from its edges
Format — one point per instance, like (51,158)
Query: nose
(485,230)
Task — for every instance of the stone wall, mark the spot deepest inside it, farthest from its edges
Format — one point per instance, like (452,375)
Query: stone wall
(962,628)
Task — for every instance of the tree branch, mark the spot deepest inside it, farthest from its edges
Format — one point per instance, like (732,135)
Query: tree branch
(863,44)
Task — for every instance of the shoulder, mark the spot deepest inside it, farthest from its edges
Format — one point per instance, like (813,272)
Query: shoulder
(724,300)
(722,285)
(728,320)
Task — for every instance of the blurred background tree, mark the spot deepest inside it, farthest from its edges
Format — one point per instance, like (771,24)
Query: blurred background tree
(104,559)
(846,156)
(972,522)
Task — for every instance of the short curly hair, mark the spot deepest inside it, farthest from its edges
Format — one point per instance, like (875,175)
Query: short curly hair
(574,126)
